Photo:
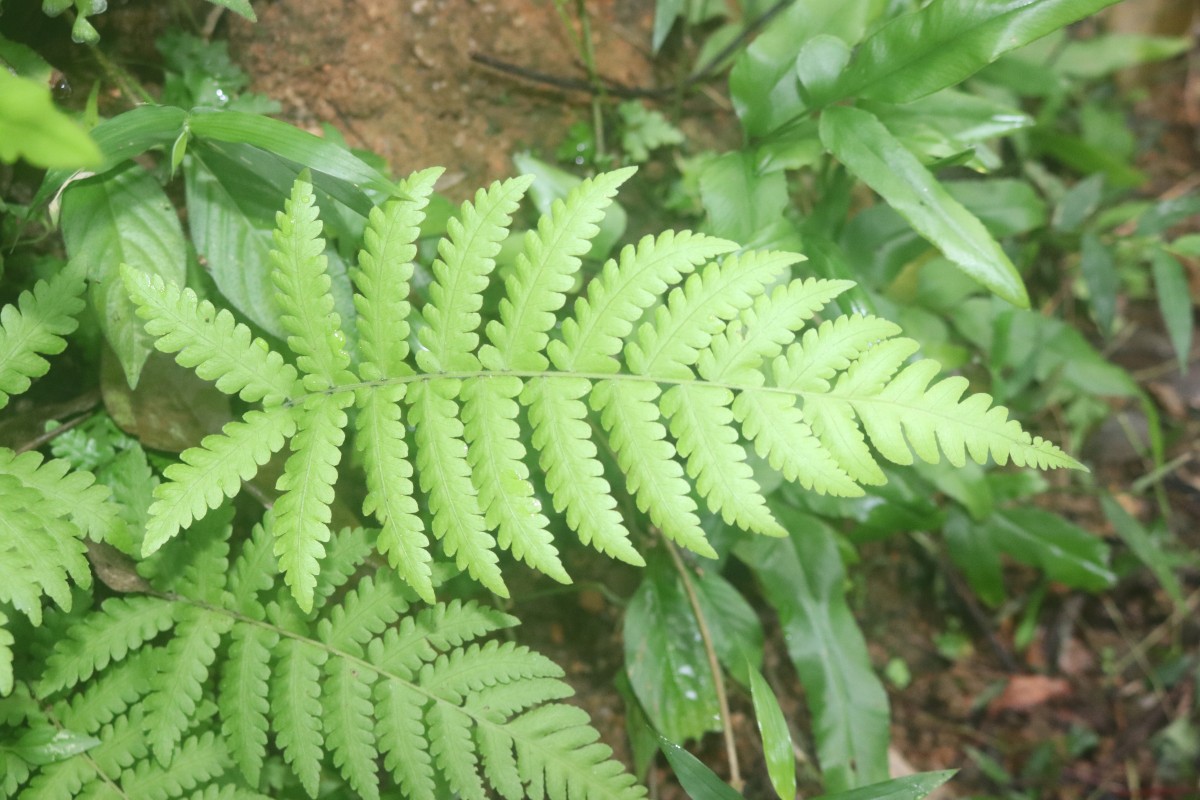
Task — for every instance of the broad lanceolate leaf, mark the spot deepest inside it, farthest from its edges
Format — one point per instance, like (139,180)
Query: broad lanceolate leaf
(122,217)
(802,577)
(947,41)
(776,738)
(868,149)
(35,326)
(909,787)
(665,658)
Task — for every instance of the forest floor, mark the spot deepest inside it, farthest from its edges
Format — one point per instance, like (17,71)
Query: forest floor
(1090,709)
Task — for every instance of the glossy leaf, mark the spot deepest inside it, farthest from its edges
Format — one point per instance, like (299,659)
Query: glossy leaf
(1066,552)
(947,41)
(1143,545)
(803,579)
(1174,303)
(910,787)
(700,782)
(868,149)
(665,658)
(123,217)
(776,738)
(740,199)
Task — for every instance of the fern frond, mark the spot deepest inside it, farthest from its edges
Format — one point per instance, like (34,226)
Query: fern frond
(536,287)
(242,699)
(574,476)
(382,278)
(66,492)
(465,259)
(446,477)
(302,292)
(302,512)
(351,682)
(654,476)
(181,674)
(679,391)
(616,299)
(214,471)
(41,562)
(35,326)
(209,341)
(125,623)
(296,707)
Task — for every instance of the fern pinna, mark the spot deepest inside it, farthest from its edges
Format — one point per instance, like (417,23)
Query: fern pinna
(682,346)
(180,690)
(46,509)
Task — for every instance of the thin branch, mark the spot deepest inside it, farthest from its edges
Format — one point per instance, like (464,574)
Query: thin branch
(735,772)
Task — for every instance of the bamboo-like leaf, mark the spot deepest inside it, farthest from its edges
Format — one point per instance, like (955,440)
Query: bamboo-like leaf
(868,149)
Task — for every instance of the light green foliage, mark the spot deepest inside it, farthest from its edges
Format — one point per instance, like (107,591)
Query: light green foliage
(33,129)
(335,691)
(47,508)
(713,363)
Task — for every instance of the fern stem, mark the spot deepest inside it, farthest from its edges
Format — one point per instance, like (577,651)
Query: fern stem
(735,772)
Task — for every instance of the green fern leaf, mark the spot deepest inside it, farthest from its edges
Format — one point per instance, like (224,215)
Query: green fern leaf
(37,563)
(211,342)
(499,474)
(616,299)
(73,493)
(296,707)
(446,477)
(701,422)
(449,732)
(466,257)
(302,292)
(401,733)
(125,624)
(35,326)
(111,695)
(197,760)
(454,677)
(536,288)
(182,671)
(242,700)
(558,754)
(214,471)
(302,512)
(343,558)
(365,612)
(380,438)
(382,278)
(715,365)
(349,727)
(574,476)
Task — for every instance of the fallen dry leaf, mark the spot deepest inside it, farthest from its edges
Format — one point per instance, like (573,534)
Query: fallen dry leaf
(1025,692)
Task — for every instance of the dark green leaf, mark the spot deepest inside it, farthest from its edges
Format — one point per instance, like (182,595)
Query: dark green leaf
(700,782)
(1143,545)
(803,579)
(734,626)
(739,198)
(1099,269)
(1079,203)
(910,787)
(763,80)
(1065,552)
(231,218)
(818,65)
(43,746)
(972,550)
(864,145)
(949,40)
(322,156)
(776,738)
(665,14)
(122,217)
(665,658)
(1175,303)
